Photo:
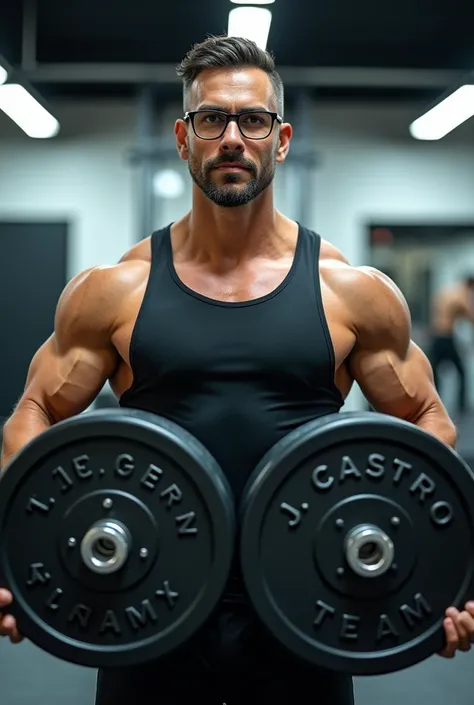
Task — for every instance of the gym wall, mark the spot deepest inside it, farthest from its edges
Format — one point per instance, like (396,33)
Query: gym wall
(370,169)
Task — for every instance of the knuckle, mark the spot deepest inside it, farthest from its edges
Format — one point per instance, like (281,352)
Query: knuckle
(465,624)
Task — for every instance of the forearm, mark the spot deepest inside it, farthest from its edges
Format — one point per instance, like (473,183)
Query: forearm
(435,420)
(27,421)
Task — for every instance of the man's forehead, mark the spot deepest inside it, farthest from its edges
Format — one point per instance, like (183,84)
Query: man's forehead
(246,86)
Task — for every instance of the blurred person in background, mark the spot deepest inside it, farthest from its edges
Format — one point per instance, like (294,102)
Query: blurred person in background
(451,305)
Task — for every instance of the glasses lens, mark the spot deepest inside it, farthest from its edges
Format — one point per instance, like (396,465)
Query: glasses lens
(255,126)
(211,124)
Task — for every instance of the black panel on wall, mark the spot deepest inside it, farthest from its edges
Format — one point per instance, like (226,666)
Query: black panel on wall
(33,273)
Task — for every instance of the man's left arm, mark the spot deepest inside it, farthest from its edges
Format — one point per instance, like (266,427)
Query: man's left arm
(393,372)
(396,377)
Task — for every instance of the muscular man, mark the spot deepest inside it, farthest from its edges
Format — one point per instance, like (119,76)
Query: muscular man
(240,325)
(452,304)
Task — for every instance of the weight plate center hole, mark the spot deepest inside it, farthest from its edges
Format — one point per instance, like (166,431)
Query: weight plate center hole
(104,549)
(370,553)
(106,546)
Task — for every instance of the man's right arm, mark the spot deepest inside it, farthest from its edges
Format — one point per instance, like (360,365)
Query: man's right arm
(71,367)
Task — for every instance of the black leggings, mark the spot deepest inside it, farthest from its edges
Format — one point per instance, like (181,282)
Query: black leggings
(233,660)
(444,349)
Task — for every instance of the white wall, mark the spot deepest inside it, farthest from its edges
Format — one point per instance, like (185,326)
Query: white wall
(370,169)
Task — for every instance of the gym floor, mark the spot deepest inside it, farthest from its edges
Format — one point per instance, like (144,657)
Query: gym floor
(30,676)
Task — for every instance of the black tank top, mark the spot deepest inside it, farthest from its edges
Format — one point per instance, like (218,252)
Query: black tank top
(238,376)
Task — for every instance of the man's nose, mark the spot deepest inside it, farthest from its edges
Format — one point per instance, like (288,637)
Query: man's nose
(232,138)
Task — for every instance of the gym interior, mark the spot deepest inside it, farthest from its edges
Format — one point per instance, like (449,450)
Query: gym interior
(364,171)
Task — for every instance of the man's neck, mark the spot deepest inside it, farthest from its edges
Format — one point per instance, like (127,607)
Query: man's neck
(214,233)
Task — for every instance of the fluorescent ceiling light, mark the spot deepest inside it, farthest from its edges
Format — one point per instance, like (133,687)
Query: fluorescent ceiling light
(5,70)
(27,112)
(446,116)
(252,23)
(254,2)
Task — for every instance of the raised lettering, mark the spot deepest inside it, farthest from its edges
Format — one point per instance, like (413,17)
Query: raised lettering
(186,520)
(324,609)
(294,513)
(411,614)
(124,465)
(80,614)
(140,618)
(168,594)
(321,484)
(400,467)
(38,575)
(34,503)
(66,482)
(441,513)
(349,626)
(110,622)
(375,465)
(151,477)
(385,628)
(424,485)
(174,495)
(348,468)
(80,467)
(53,600)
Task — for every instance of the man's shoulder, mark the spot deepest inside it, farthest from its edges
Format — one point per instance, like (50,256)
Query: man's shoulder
(330,252)
(100,289)
(140,252)
(364,280)
(372,298)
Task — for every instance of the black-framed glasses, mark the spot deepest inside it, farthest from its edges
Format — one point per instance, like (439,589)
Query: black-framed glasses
(211,124)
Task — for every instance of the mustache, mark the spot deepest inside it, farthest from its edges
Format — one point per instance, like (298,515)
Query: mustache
(237,159)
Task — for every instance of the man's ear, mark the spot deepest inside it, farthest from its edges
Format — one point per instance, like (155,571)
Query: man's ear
(286,133)
(181,133)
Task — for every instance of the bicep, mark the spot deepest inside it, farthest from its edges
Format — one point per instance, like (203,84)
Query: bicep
(393,372)
(396,380)
(71,367)
(65,380)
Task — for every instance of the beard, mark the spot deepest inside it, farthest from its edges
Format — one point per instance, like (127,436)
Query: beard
(233,192)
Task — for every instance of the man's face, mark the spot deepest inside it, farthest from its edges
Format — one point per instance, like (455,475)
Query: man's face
(233,170)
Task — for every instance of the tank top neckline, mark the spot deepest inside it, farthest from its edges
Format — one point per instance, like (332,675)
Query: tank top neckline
(232,304)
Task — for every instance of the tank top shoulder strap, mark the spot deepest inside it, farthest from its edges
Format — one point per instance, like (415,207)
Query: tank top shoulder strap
(160,247)
(310,246)
(311,252)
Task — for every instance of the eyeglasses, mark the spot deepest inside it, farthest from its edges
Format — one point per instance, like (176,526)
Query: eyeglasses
(211,124)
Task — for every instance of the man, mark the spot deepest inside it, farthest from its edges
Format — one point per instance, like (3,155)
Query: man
(240,325)
(452,304)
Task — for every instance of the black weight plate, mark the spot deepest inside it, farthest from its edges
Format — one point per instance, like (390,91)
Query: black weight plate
(358,468)
(172,500)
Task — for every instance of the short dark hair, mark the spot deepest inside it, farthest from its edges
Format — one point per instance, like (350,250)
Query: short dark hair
(225,52)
